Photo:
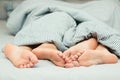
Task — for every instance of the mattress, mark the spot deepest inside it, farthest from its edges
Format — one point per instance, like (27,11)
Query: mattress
(46,70)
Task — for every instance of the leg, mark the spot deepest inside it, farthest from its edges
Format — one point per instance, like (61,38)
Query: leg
(21,57)
(74,51)
(49,51)
(99,56)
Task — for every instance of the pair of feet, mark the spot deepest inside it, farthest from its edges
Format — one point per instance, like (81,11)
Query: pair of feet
(25,57)
(87,54)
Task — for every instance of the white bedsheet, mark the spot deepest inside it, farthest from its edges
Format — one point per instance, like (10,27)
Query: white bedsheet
(46,70)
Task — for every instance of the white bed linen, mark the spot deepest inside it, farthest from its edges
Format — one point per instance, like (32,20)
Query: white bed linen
(45,70)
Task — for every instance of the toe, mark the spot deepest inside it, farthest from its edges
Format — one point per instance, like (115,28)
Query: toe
(68,60)
(67,53)
(31,64)
(27,65)
(24,66)
(33,58)
(69,65)
(21,66)
(76,63)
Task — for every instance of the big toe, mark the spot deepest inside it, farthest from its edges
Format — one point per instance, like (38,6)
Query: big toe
(33,58)
(58,59)
(59,63)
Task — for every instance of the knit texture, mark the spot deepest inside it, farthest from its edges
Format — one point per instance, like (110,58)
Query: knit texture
(60,24)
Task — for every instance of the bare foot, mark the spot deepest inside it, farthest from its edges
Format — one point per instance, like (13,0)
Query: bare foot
(74,52)
(48,51)
(82,46)
(93,57)
(73,61)
(21,57)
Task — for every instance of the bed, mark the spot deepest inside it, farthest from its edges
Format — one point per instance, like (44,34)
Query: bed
(45,70)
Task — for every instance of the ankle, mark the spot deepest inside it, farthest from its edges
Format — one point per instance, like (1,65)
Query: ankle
(26,47)
(92,43)
(48,45)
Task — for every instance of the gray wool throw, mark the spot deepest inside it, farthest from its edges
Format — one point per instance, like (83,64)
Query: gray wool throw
(61,23)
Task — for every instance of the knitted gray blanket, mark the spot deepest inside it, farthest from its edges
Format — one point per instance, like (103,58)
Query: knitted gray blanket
(60,23)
